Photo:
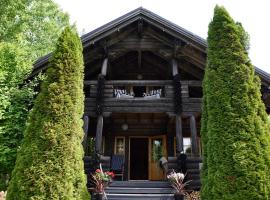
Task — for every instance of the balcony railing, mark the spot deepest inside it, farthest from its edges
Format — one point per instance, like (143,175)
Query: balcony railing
(141,96)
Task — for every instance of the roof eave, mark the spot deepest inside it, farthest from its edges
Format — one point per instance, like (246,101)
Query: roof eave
(117,24)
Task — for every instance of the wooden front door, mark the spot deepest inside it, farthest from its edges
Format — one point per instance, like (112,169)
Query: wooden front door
(157,149)
(138,159)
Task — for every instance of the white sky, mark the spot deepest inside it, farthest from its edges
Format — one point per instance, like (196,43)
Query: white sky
(193,15)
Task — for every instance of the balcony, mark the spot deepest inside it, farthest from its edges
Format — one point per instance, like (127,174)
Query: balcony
(142,96)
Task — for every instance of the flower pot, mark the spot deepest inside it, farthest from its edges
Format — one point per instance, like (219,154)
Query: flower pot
(98,196)
(179,197)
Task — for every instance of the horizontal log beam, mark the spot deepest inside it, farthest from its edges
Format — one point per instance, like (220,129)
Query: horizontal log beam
(144,82)
(145,109)
(169,113)
(186,101)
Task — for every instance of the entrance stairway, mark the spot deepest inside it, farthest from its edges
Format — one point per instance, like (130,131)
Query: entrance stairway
(133,190)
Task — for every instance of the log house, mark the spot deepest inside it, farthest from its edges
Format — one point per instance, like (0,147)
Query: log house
(143,95)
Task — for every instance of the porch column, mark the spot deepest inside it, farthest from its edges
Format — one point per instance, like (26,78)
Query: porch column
(179,134)
(174,67)
(99,106)
(99,130)
(177,107)
(193,131)
(104,67)
(85,130)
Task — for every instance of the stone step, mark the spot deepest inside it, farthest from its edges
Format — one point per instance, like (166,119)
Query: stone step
(135,190)
(140,196)
(140,184)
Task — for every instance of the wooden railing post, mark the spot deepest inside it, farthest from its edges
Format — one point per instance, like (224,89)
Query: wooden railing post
(193,131)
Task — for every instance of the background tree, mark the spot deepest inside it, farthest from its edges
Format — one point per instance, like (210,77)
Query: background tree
(235,129)
(28,29)
(35,23)
(49,164)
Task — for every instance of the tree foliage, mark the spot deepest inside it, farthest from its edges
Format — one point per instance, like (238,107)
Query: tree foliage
(14,105)
(235,128)
(28,29)
(49,164)
(35,23)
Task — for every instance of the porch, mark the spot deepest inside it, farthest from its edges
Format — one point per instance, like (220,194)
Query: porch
(132,136)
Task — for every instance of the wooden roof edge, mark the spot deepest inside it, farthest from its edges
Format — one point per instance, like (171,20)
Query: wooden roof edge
(263,75)
(144,13)
(41,63)
(139,12)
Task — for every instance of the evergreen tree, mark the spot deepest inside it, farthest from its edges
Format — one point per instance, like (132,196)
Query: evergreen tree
(235,129)
(28,29)
(49,164)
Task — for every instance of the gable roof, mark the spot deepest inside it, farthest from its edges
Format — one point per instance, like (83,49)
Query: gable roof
(147,16)
(141,14)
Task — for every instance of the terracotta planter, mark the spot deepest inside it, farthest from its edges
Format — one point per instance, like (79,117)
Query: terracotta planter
(98,196)
(179,197)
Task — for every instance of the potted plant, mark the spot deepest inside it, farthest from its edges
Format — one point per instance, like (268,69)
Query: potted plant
(3,195)
(101,180)
(177,182)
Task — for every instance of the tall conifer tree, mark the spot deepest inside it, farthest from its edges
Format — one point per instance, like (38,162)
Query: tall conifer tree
(235,129)
(49,164)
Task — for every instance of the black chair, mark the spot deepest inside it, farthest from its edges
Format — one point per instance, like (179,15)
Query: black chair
(117,165)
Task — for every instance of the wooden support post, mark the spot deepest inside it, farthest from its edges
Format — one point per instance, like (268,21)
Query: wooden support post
(140,28)
(104,67)
(139,59)
(85,129)
(179,134)
(174,67)
(193,130)
(99,134)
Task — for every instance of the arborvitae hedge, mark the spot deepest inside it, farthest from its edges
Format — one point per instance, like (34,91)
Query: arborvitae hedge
(49,164)
(235,130)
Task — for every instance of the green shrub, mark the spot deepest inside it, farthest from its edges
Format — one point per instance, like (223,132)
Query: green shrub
(235,131)
(49,164)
